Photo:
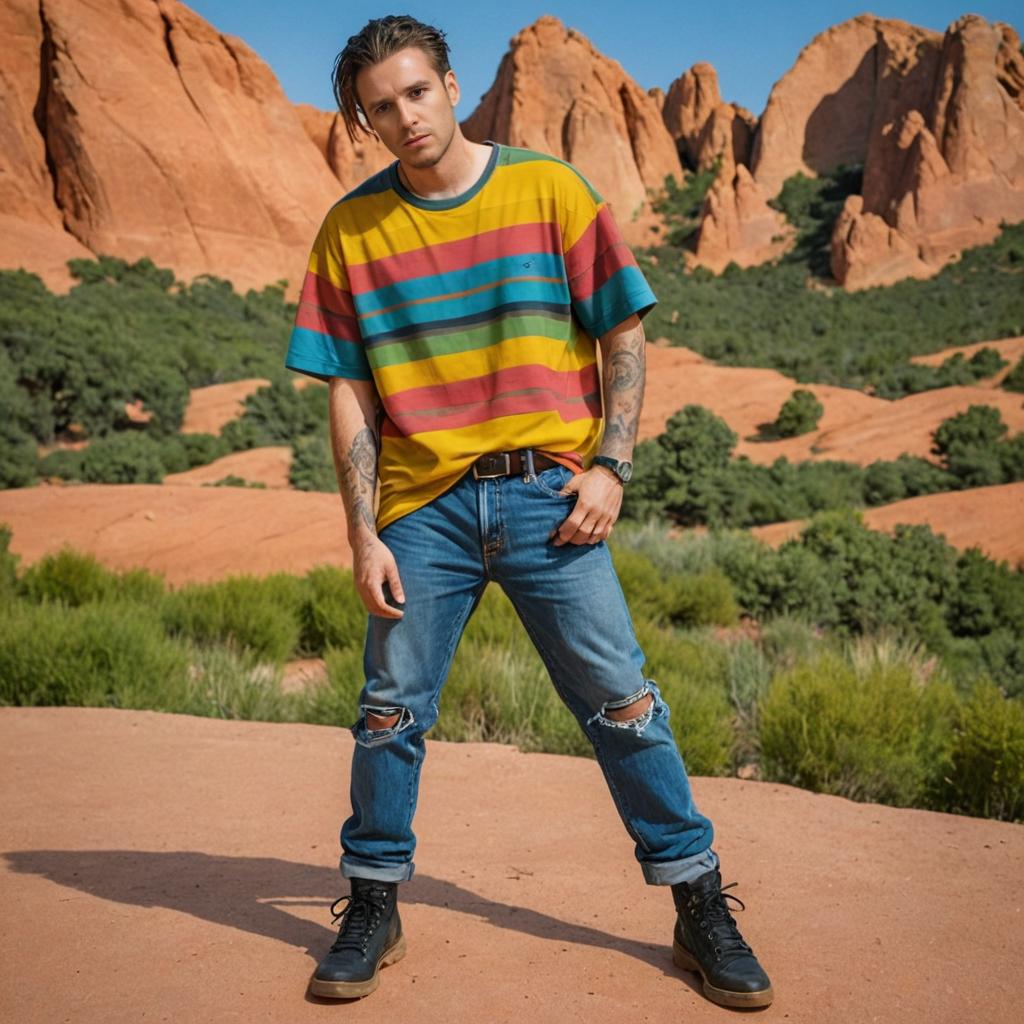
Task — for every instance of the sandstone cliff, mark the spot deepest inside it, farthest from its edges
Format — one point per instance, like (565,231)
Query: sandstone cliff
(555,93)
(136,129)
(944,169)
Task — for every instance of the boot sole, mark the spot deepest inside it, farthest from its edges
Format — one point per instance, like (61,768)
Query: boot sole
(357,989)
(682,957)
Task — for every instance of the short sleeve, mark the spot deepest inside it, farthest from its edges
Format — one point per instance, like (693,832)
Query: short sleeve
(326,341)
(605,283)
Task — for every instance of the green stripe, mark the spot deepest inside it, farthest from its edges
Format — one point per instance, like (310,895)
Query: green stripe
(410,350)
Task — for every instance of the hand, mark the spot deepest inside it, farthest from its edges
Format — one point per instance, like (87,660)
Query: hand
(376,576)
(599,499)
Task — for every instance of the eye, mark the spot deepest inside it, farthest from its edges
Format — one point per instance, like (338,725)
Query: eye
(416,93)
(380,108)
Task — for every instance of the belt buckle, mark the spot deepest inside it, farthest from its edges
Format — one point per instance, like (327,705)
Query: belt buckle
(492,461)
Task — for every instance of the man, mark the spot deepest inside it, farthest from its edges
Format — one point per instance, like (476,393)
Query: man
(452,302)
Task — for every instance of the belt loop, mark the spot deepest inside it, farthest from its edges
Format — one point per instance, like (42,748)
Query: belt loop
(530,475)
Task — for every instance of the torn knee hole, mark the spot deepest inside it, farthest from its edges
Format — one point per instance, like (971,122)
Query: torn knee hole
(635,710)
(379,723)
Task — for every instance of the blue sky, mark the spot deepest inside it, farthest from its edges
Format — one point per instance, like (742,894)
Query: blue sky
(750,45)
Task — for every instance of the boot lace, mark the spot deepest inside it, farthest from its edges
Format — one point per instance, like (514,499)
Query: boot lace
(358,919)
(710,911)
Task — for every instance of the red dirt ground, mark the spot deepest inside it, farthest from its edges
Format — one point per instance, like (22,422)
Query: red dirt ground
(855,427)
(161,867)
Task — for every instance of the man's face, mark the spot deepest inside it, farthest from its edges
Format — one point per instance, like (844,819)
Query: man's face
(409,106)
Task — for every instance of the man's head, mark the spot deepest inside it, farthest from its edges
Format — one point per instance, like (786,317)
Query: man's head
(393,80)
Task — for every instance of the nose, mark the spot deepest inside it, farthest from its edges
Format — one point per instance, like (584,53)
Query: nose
(407,114)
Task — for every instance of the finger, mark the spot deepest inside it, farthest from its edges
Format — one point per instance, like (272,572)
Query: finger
(395,583)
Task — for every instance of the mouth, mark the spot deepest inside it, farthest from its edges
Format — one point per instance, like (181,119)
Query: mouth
(417,139)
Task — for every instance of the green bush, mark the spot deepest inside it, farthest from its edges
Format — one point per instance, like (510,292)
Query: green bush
(882,734)
(224,685)
(312,466)
(1014,380)
(332,614)
(72,578)
(258,616)
(986,771)
(105,654)
(799,414)
(8,565)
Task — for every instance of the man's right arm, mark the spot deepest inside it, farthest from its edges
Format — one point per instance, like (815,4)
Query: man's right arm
(353,416)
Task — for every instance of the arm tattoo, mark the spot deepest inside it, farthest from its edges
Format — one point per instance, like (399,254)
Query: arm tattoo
(623,387)
(357,477)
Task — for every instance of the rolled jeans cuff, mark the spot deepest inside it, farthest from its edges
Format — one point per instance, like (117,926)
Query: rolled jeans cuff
(684,870)
(354,867)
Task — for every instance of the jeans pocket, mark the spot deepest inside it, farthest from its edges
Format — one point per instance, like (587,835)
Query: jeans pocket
(552,480)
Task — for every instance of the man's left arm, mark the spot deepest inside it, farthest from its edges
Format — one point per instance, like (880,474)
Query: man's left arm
(599,489)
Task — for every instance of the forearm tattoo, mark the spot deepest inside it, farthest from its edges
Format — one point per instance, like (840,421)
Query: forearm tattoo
(623,392)
(359,478)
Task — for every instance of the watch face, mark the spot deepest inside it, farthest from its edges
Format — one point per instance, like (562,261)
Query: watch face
(625,472)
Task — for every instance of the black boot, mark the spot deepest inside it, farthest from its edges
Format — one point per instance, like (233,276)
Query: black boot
(370,937)
(707,940)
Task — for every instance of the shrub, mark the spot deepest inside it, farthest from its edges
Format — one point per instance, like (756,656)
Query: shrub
(259,616)
(881,734)
(331,613)
(1014,380)
(312,466)
(224,685)
(799,414)
(72,578)
(106,654)
(8,565)
(986,771)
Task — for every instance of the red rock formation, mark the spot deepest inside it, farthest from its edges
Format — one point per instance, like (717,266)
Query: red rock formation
(351,163)
(32,232)
(737,224)
(581,107)
(942,175)
(822,112)
(159,137)
(703,126)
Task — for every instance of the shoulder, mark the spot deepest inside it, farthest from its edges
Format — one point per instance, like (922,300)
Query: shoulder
(549,169)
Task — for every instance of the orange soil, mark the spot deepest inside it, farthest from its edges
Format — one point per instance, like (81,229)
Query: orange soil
(210,408)
(267,466)
(991,518)
(186,533)
(175,868)
(855,427)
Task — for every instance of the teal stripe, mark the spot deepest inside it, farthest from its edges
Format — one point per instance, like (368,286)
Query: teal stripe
(410,350)
(624,293)
(320,355)
(539,264)
(429,312)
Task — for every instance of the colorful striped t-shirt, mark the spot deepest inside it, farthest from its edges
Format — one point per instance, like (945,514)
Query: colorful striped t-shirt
(475,317)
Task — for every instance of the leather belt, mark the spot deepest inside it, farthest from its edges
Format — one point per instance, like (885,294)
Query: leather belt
(508,464)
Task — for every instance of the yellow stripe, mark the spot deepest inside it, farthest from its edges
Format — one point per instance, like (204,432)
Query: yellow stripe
(386,226)
(415,478)
(448,369)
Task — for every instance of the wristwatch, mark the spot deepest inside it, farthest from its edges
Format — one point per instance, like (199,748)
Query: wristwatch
(623,470)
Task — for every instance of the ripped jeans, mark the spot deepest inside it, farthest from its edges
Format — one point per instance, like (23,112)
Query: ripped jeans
(571,604)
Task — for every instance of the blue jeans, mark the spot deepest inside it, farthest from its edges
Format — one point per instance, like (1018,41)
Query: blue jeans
(570,601)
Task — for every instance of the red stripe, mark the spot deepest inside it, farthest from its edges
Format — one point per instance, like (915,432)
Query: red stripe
(543,237)
(318,291)
(316,318)
(406,424)
(597,254)
(568,384)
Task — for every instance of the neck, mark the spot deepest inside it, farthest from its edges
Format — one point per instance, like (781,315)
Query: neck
(462,164)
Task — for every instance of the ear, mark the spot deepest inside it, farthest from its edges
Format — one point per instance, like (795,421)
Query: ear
(451,86)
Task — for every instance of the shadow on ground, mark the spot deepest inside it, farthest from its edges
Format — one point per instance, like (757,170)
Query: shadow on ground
(253,894)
